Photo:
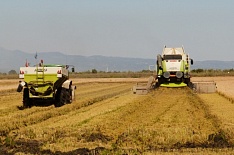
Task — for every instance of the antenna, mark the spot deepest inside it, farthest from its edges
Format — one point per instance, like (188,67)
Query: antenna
(35,56)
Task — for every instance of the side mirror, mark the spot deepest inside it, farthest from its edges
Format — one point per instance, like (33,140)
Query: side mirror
(73,69)
(191,61)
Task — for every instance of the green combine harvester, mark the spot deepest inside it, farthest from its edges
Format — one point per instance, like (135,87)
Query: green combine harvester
(173,70)
(46,84)
(173,67)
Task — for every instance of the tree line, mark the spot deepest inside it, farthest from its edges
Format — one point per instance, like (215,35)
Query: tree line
(133,74)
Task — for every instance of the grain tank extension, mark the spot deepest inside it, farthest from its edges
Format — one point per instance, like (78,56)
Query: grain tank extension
(173,67)
(46,84)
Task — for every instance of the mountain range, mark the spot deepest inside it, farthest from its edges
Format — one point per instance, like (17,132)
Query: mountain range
(13,59)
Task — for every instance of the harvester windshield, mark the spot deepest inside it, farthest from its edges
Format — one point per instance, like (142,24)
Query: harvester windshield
(172,57)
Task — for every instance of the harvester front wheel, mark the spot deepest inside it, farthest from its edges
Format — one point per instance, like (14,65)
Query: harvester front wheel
(26,99)
(187,81)
(160,81)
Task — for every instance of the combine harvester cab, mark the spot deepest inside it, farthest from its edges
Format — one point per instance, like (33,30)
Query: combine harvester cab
(46,84)
(173,68)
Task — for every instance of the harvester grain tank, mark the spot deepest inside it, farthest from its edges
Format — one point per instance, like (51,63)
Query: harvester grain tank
(43,84)
(173,67)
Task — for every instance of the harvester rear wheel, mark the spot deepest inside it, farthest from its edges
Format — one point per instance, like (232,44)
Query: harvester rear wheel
(69,96)
(26,99)
(60,97)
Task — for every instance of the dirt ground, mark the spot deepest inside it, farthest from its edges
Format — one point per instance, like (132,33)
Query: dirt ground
(224,84)
(107,118)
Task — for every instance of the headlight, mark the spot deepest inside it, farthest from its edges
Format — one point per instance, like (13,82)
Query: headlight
(179,74)
(166,74)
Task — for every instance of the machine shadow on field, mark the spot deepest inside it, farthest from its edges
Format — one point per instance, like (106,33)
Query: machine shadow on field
(35,105)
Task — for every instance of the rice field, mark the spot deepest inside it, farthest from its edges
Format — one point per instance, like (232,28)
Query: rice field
(107,118)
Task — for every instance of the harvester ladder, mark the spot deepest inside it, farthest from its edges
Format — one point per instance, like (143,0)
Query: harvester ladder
(40,73)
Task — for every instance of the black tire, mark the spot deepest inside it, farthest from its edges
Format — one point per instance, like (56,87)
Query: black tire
(59,98)
(20,88)
(69,96)
(26,99)
(160,81)
(187,81)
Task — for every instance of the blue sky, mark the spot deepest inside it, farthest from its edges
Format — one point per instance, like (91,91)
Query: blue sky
(125,28)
